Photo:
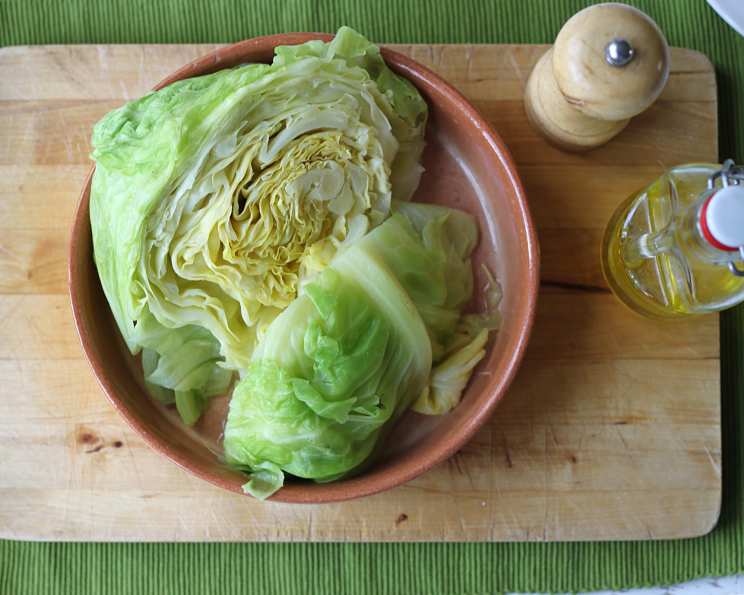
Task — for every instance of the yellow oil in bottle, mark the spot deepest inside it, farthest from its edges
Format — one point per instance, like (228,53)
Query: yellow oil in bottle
(655,258)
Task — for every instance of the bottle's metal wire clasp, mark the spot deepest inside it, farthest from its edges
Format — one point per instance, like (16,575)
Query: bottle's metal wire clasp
(732,265)
(730,175)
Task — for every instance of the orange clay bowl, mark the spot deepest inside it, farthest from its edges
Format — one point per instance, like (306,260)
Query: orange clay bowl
(467,167)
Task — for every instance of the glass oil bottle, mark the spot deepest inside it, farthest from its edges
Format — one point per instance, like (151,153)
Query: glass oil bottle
(676,248)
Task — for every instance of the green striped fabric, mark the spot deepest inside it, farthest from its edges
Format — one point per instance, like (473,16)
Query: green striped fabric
(389,568)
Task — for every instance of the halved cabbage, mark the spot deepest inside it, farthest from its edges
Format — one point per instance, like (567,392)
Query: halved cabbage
(215,197)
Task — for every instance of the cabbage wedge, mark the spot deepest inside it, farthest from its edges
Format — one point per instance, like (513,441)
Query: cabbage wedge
(216,197)
(355,350)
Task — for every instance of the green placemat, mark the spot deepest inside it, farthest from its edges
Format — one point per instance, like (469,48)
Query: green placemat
(390,568)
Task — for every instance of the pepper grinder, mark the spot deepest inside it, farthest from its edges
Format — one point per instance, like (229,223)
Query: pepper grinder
(609,63)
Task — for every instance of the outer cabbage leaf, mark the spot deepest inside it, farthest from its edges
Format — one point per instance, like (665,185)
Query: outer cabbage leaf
(449,378)
(181,366)
(428,248)
(464,350)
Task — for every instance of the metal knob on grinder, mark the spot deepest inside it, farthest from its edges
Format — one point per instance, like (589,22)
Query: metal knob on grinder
(609,63)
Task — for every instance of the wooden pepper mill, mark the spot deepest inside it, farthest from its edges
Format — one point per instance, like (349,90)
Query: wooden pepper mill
(609,63)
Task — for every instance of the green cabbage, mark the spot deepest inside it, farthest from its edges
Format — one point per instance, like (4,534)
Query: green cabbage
(354,351)
(216,197)
(256,220)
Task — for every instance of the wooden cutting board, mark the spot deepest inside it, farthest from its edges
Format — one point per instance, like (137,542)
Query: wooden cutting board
(611,430)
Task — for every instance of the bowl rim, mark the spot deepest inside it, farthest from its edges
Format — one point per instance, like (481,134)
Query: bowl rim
(397,472)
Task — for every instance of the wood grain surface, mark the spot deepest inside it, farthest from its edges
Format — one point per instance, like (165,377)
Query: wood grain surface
(611,430)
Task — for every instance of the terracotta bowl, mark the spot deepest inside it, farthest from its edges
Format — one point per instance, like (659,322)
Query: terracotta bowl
(468,167)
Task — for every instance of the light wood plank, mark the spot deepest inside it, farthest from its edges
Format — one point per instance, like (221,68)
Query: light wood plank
(39,197)
(33,261)
(45,196)
(66,127)
(494,84)
(124,72)
(519,478)
(39,327)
